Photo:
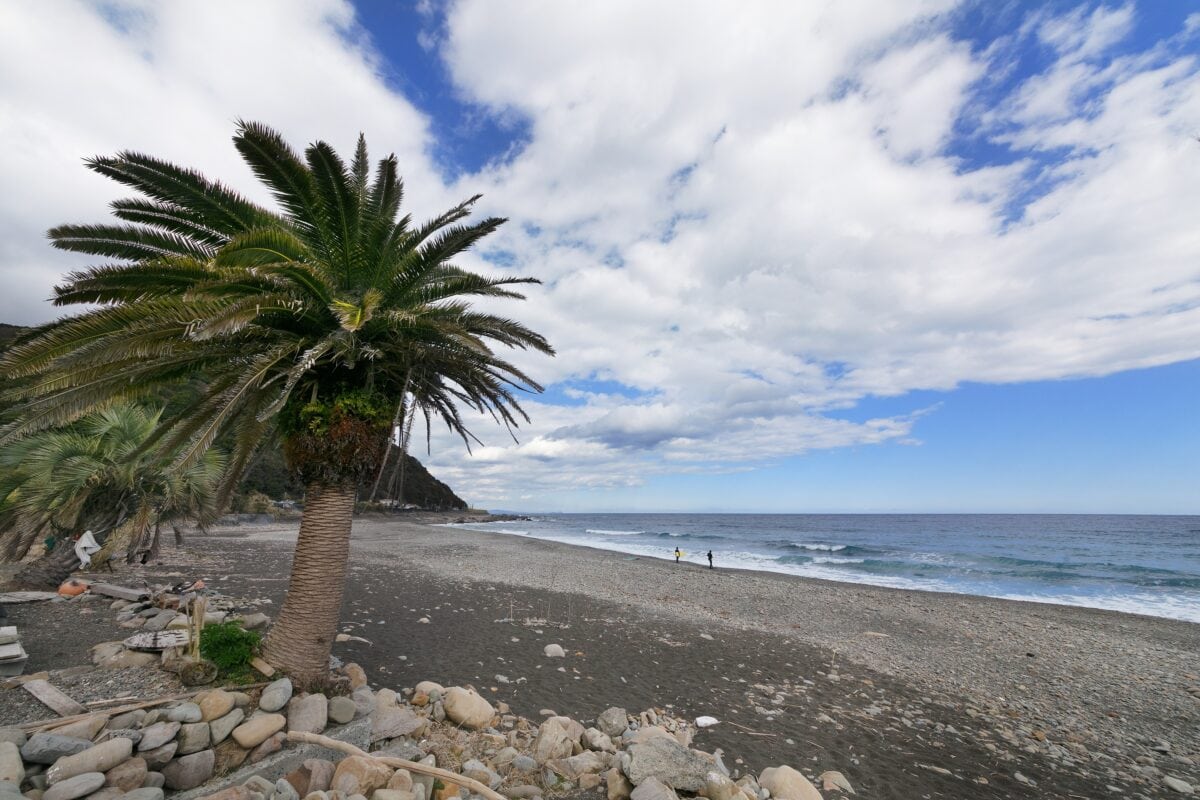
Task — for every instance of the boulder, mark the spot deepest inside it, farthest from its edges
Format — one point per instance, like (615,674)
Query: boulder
(276,695)
(257,730)
(46,748)
(653,789)
(390,722)
(98,758)
(128,775)
(785,783)
(552,741)
(156,735)
(429,687)
(341,710)
(668,761)
(320,774)
(613,722)
(359,775)
(554,651)
(193,738)
(11,767)
(308,713)
(215,704)
(188,772)
(75,786)
(465,707)
(221,727)
(159,756)
(154,780)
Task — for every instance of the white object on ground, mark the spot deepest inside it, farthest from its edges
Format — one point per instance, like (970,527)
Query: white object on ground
(706,722)
(84,548)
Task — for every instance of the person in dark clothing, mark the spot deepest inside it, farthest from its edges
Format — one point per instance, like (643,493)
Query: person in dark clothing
(710,566)
(678,554)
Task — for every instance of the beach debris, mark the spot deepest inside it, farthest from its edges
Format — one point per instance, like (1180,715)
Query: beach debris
(554,651)
(832,780)
(706,722)
(120,592)
(345,637)
(53,698)
(26,597)
(72,587)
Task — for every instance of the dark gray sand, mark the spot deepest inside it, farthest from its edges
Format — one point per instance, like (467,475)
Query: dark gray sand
(909,694)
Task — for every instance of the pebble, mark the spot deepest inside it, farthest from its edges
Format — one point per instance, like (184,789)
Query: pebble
(1178,785)
(276,695)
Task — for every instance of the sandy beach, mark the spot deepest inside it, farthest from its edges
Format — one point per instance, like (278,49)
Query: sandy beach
(909,694)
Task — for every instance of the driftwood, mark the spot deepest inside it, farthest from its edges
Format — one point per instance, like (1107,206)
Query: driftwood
(400,763)
(51,696)
(58,722)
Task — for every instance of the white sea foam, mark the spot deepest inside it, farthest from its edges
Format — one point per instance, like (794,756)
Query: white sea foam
(613,533)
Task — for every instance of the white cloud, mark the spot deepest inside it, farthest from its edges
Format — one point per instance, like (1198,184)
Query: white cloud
(748,219)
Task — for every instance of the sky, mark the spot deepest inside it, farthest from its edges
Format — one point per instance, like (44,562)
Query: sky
(913,256)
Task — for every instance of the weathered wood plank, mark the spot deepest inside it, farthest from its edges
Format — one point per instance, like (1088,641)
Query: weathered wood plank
(119,592)
(54,699)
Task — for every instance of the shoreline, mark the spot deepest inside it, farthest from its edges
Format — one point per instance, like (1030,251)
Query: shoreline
(506,519)
(907,693)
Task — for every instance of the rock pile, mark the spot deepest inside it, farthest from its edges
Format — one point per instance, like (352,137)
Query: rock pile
(142,753)
(643,757)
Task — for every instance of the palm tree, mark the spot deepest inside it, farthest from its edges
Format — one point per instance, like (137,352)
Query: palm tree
(96,474)
(306,322)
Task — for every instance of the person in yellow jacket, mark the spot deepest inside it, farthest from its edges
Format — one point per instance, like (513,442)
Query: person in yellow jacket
(678,555)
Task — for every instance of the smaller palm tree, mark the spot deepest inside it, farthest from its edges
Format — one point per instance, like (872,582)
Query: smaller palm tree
(97,474)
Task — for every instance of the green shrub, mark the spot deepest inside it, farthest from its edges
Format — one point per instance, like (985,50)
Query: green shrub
(228,646)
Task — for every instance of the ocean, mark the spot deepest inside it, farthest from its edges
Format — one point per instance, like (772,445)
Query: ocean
(1139,564)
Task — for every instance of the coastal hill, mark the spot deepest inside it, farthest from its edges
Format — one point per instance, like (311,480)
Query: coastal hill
(268,475)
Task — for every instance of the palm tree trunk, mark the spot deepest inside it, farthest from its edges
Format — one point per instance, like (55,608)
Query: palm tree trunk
(301,639)
(49,571)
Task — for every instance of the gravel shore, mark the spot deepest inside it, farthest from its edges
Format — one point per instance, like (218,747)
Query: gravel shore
(909,694)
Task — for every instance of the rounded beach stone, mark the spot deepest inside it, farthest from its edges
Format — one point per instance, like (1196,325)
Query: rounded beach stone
(11,767)
(554,651)
(276,695)
(786,783)
(308,713)
(76,786)
(159,756)
(222,727)
(465,707)
(156,735)
(357,676)
(341,710)
(359,775)
(14,735)
(147,793)
(193,738)
(99,758)
(154,780)
(189,771)
(184,712)
(46,748)
(215,704)
(613,721)
(272,745)
(127,776)
(257,730)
